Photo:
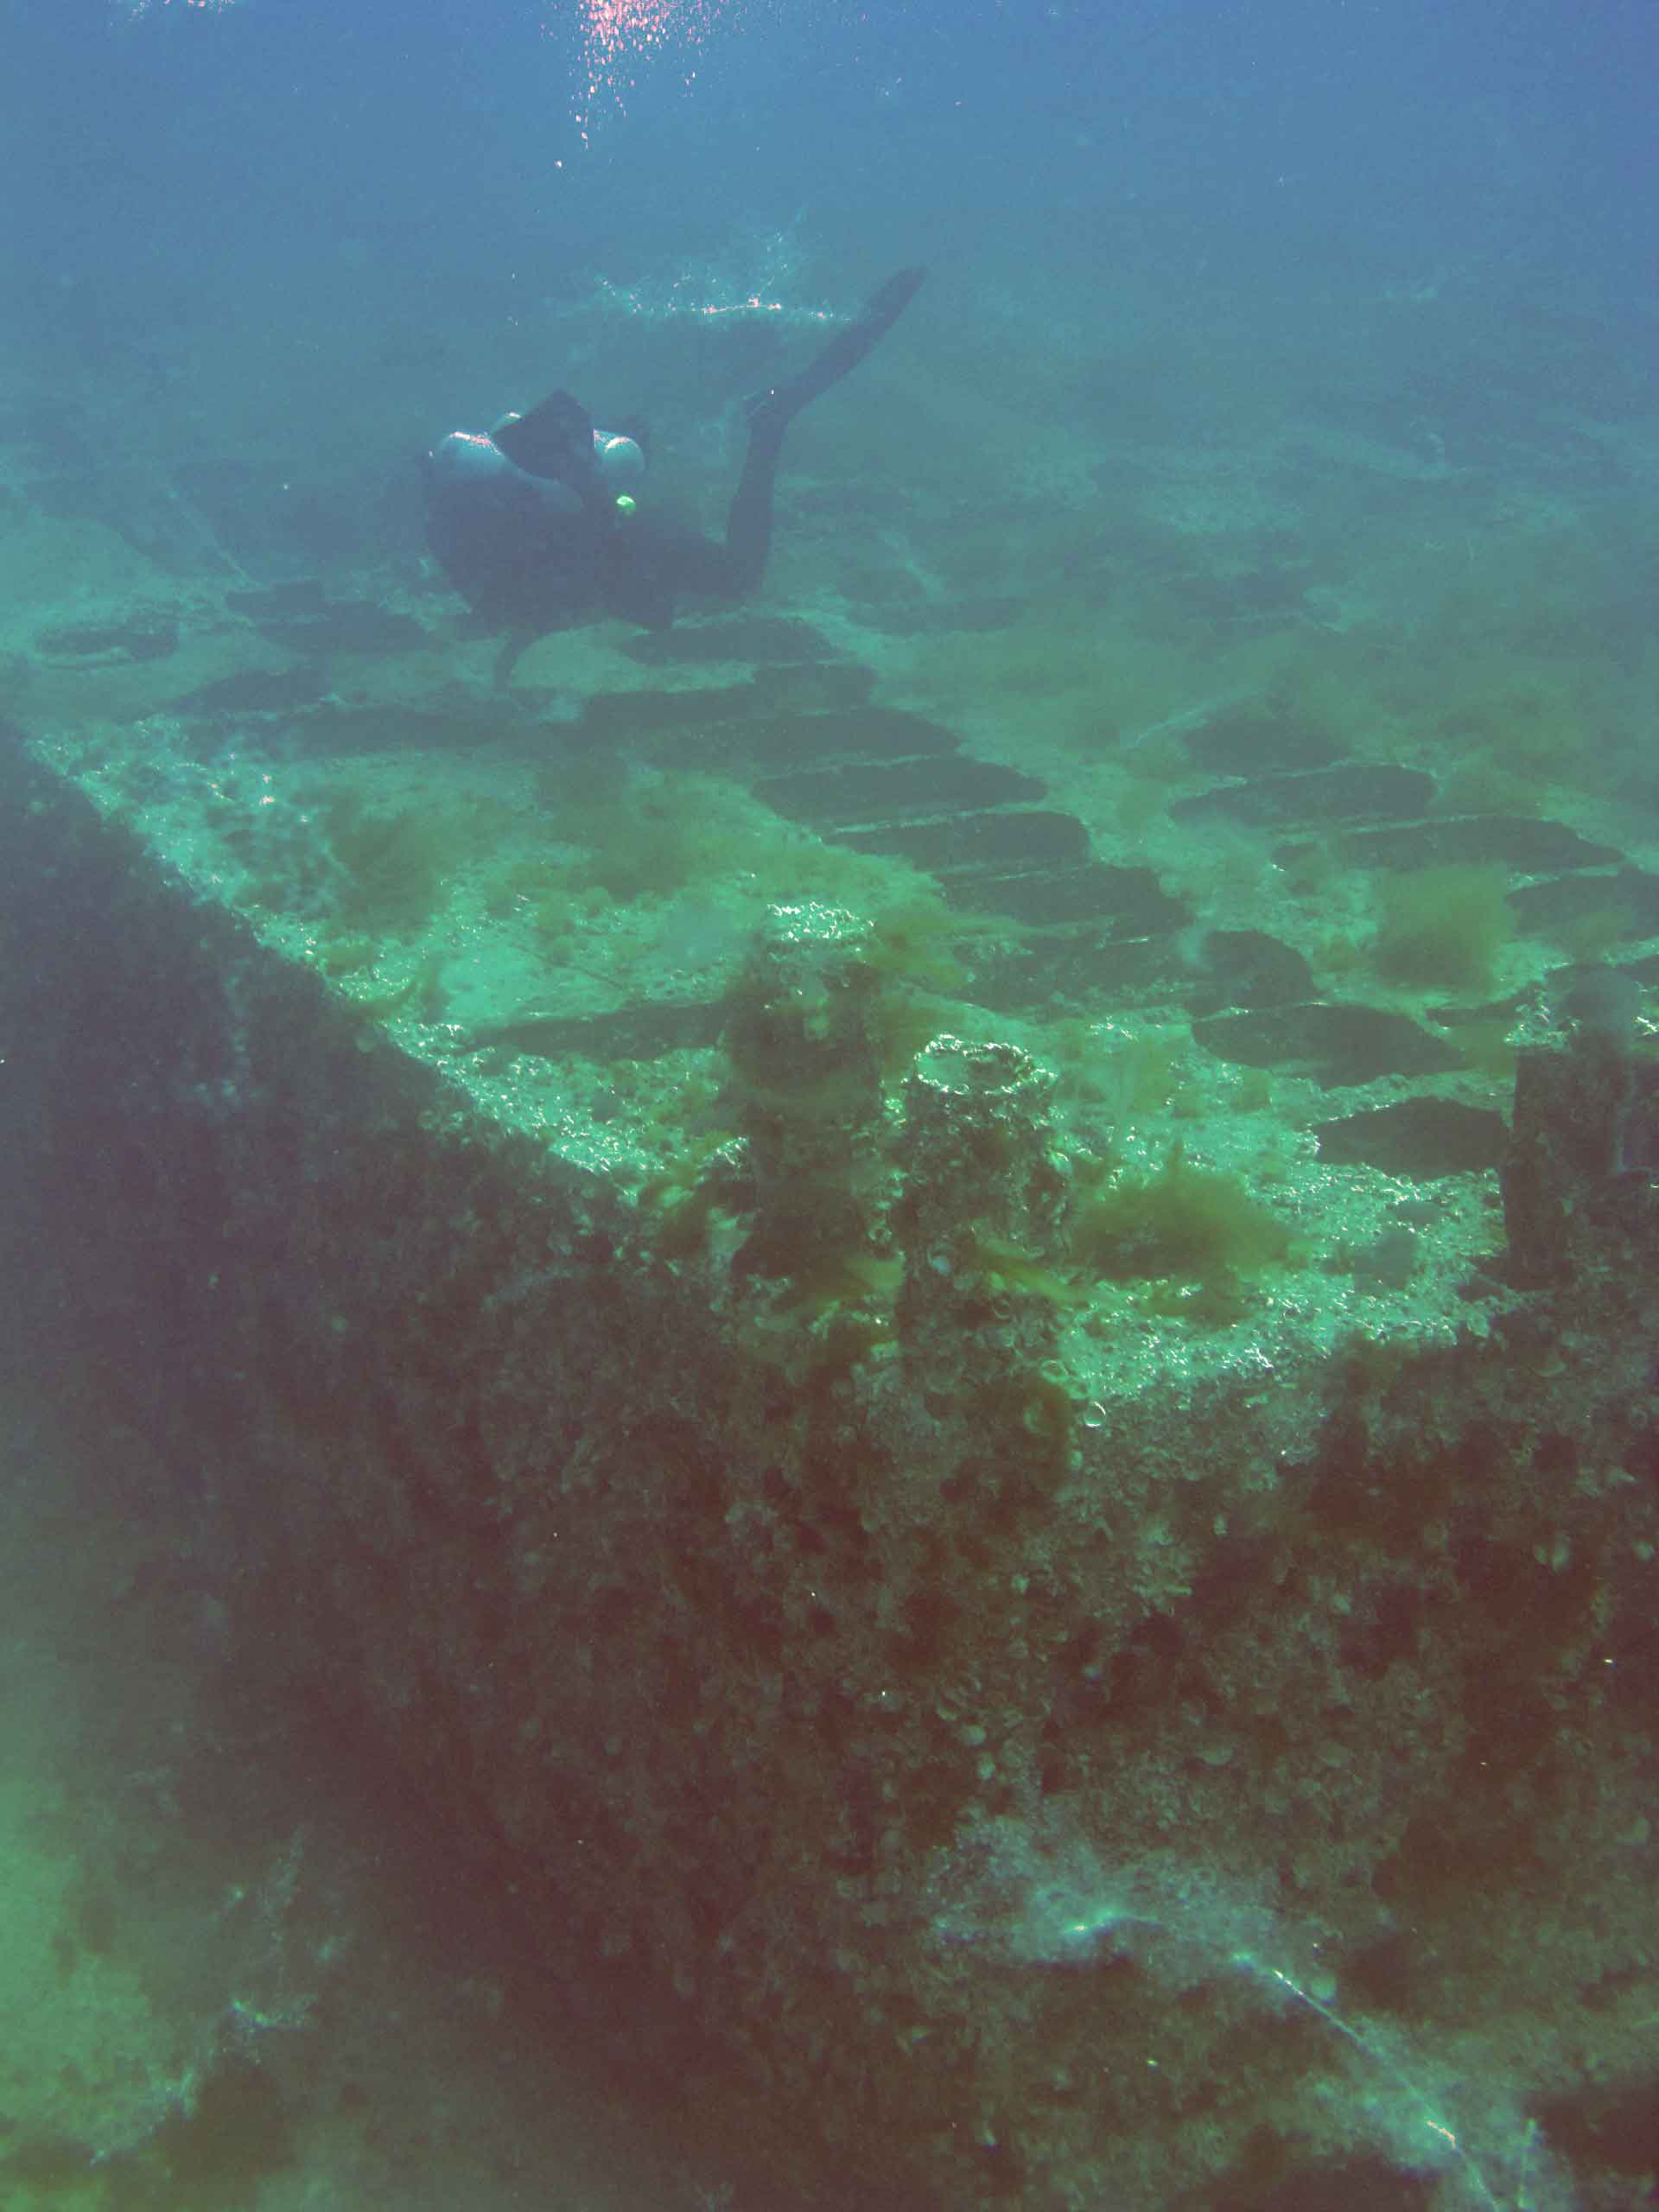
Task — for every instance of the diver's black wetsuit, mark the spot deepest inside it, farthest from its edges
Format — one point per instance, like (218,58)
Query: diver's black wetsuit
(527,525)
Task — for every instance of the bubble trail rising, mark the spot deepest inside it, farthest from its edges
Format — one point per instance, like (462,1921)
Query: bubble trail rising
(622,39)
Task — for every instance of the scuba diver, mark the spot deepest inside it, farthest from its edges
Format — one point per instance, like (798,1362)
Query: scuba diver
(535,526)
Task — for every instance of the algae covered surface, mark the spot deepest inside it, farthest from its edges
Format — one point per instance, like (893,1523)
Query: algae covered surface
(916,1319)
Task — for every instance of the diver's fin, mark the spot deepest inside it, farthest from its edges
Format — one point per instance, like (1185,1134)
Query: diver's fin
(555,440)
(748,519)
(780,406)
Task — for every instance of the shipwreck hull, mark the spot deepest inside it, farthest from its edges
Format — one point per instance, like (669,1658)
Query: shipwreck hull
(981,1791)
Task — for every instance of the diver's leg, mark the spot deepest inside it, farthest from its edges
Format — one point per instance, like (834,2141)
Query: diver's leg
(513,647)
(748,519)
